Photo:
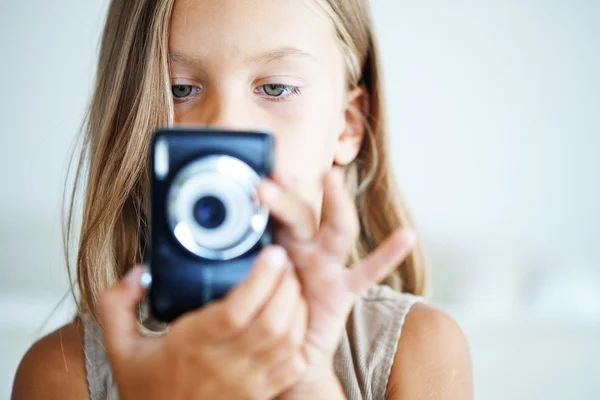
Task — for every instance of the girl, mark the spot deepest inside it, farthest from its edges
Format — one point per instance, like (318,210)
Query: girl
(302,326)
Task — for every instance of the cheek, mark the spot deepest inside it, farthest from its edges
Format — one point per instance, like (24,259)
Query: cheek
(304,147)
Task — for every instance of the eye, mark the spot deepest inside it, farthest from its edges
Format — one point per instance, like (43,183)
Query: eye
(182,91)
(274,90)
(277,91)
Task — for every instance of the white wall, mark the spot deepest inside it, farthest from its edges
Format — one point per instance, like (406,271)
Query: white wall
(48,57)
(494,108)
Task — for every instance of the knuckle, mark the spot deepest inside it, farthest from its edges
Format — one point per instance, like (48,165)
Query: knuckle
(272,327)
(183,359)
(185,356)
(296,337)
(254,392)
(272,383)
(253,386)
(258,393)
(297,367)
(287,374)
(233,319)
(295,370)
(289,342)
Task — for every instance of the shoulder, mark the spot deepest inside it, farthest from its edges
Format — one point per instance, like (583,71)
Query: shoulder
(54,367)
(365,355)
(432,360)
(377,320)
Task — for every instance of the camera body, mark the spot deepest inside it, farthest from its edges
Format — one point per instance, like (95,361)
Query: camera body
(207,225)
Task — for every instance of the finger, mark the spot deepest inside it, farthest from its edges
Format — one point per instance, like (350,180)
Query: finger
(118,305)
(380,263)
(299,325)
(273,321)
(339,228)
(280,180)
(230,316)
(283,378)
(292,212)
(276,356)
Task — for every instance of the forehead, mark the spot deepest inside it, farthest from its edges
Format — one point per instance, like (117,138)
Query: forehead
(229,28)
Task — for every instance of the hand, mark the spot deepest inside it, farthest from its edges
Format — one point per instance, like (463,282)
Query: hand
(245,346)
(320,254)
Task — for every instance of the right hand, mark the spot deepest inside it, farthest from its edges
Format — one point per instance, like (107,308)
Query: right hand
(245,346)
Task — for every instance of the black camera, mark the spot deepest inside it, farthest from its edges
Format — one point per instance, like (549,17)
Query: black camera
(207,225)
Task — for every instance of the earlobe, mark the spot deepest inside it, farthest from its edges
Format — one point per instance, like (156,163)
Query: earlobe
(353,133)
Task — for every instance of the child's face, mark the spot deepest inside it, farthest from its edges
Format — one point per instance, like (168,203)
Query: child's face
(264,64)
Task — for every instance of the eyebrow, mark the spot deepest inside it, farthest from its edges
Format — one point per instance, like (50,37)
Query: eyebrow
(181,58)
(281,54)
(271,56)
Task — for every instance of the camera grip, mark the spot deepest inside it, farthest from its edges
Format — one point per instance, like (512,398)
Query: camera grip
(176,290)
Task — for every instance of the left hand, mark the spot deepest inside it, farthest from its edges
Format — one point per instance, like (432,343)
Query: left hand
(319,255)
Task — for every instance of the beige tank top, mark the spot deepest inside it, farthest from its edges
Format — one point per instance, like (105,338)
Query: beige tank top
(362,362)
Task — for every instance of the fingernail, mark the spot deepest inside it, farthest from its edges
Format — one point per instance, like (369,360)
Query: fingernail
(288,264)
(132,278)
(410,237)
(276,258)
(270,190)
(277,177)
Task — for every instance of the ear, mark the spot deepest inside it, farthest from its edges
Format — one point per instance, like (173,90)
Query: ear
(353,133)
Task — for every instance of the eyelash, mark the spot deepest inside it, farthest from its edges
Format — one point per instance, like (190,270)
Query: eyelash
(291,92)
(183,99)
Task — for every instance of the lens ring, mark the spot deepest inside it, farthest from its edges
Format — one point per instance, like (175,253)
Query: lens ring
(231,178)
(239,208)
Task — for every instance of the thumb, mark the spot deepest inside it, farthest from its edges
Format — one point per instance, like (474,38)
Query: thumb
(118,305)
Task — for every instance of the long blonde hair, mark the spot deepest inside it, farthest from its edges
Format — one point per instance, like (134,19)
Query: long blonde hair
(132,97)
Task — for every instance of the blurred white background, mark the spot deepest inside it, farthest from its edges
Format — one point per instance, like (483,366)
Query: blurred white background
(495,112)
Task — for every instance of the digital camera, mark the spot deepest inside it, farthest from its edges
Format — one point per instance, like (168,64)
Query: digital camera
(207,225)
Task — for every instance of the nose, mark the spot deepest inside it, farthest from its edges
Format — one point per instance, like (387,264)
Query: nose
(232,112)
(225,114)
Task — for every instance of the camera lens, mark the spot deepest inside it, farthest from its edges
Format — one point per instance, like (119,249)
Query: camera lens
(213,209)
(209,212)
